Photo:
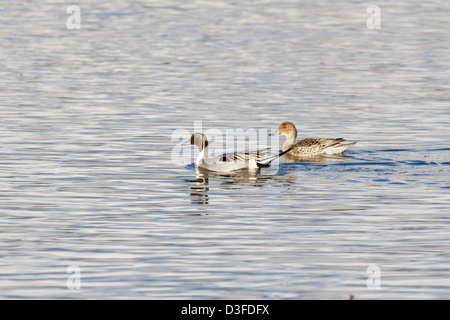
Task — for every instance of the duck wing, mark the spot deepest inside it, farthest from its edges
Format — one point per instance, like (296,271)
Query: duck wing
(243,156)
(321,143)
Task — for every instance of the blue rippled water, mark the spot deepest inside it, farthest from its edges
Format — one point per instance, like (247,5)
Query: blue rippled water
(87,178)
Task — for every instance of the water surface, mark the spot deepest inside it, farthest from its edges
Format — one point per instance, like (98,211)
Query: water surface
(87,118)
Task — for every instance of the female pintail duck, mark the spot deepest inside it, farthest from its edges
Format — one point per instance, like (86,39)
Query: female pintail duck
(229,161)
(309,147)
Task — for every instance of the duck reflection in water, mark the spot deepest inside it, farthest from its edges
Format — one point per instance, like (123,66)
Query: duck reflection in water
(314,159)
(199,187)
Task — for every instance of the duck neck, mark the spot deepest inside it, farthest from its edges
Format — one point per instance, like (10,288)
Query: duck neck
(202,155)
(290,141)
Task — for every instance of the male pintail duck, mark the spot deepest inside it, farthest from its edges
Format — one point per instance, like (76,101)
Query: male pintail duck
(309,147)
(229,161)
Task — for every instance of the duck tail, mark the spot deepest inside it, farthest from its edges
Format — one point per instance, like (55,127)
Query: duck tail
(338,148)
(265,162)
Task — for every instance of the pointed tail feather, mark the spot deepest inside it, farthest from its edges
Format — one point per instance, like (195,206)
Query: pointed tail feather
(338,148)
(266,161)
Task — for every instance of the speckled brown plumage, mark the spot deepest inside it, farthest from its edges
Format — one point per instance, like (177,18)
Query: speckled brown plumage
(310,146)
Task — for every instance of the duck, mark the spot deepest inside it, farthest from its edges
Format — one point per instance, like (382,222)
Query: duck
(227,162)
(309,147)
